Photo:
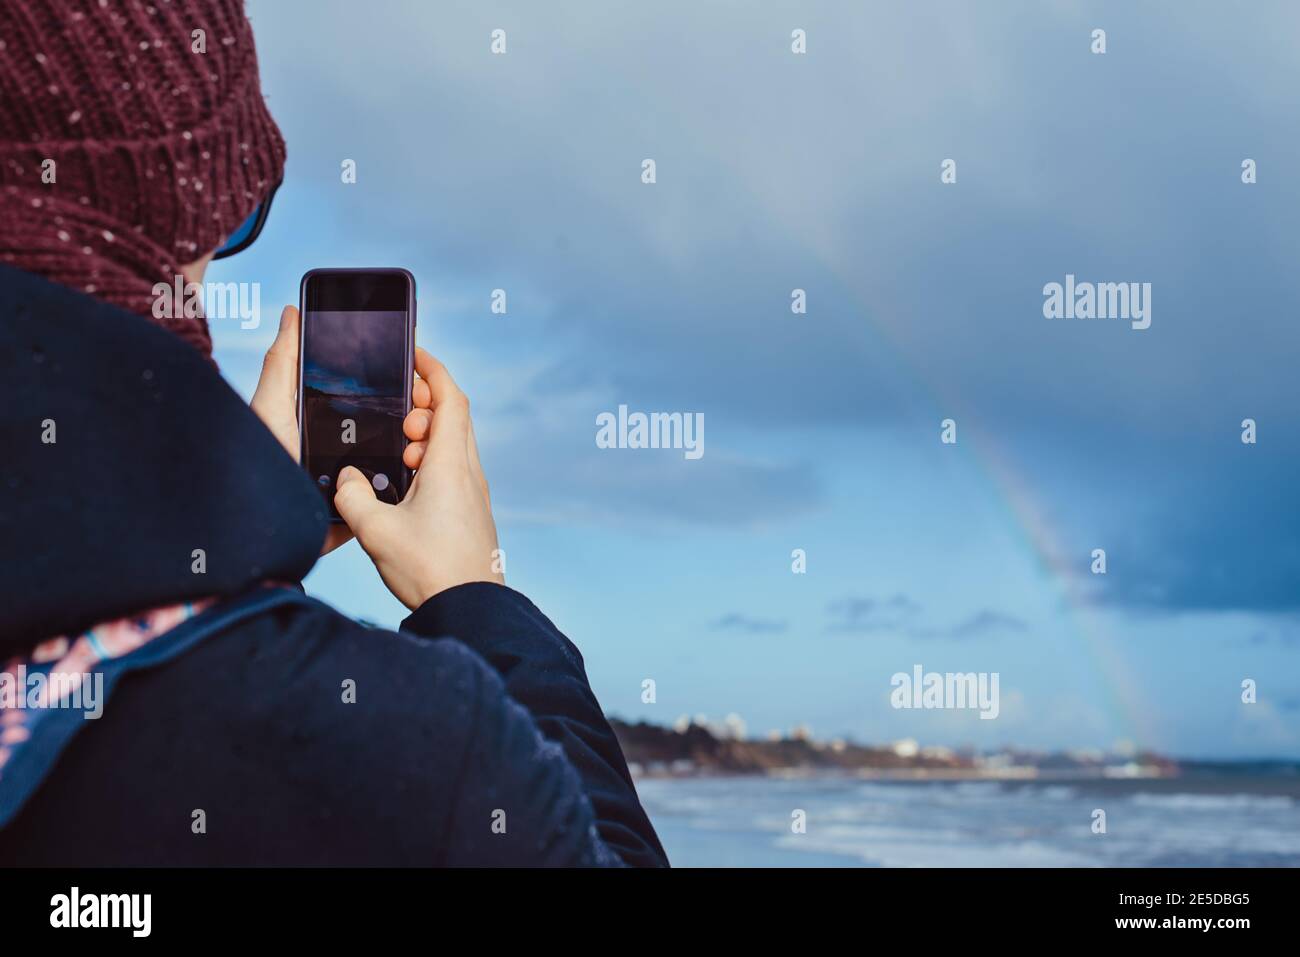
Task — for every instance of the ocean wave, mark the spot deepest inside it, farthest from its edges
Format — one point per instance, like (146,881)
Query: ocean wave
(1056,792)
(1214,802)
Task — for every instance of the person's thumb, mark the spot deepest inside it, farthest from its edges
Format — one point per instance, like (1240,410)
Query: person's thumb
(355,500)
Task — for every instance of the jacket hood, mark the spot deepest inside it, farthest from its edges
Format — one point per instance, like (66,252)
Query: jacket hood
(132,475)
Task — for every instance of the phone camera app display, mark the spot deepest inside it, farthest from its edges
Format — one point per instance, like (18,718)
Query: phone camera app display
(354,398)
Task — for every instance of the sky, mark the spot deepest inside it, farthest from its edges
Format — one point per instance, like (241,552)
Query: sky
(777,171)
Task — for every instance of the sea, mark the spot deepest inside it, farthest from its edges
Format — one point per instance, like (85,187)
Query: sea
(1207,821)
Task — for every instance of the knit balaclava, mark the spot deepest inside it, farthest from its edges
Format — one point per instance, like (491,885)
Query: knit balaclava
(133,139)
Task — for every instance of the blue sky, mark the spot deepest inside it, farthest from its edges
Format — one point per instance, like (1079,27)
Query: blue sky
(821,172)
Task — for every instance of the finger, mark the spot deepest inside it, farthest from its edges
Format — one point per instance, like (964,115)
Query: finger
(421,396)
(279,380)
(355,500)
(441,385)
(448,438)
(417,424)
(413,454)
(475,468)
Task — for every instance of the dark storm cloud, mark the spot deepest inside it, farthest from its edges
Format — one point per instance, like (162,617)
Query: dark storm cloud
(924,300)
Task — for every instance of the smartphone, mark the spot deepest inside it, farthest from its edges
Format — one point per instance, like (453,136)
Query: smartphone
(356,352)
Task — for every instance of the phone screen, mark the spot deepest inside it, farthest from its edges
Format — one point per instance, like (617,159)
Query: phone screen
(357,331)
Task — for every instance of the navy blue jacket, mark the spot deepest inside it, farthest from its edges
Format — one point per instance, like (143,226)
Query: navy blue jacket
(476,713)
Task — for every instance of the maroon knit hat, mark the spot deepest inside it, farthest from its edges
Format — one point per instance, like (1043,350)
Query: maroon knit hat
(133,138)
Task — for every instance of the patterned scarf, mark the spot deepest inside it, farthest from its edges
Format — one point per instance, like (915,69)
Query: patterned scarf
(59,672)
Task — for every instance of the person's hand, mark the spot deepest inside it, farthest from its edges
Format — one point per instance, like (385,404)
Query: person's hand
(275,402)
(441,534)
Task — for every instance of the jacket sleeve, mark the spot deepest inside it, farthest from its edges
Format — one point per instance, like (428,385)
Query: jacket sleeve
(543,672)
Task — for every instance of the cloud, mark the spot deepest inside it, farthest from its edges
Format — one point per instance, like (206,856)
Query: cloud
(1287,635)
(1201,523)
(539,446)
(738,621)
(870,614)
(763,187)
(922,297)
(986,622)
(900,615)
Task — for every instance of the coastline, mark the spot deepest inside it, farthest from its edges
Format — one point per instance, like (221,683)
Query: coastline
(694,750)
